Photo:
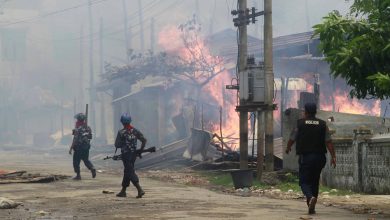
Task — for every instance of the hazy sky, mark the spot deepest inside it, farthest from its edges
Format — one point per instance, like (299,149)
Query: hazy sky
(55,29)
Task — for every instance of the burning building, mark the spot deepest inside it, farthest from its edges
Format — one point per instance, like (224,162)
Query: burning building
(184,86)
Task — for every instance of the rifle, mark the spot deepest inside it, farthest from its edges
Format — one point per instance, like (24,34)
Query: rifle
(138,152)
(86,114)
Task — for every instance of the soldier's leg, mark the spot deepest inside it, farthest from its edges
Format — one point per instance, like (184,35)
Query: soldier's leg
(76,164)
(87,162)
(126,175)
(320,163)
(304,176)
(135,180)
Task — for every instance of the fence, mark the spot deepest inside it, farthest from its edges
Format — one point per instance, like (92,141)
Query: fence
(363,163)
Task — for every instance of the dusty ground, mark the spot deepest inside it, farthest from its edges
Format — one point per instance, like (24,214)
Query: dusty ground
(165,199)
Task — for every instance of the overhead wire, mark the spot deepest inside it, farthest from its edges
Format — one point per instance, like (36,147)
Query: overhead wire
(86,36)
(25,20)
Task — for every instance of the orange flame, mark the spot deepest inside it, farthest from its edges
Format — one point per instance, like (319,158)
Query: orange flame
(347,105)
(214,92)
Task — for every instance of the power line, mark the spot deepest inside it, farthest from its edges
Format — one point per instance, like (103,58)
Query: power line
(25,20)
(95,35)
(145,8)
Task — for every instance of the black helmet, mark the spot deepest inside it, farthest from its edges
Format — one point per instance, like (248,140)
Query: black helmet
(80,117)
(311,108)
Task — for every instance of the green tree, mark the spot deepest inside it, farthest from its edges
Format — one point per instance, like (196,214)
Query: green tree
(357,47)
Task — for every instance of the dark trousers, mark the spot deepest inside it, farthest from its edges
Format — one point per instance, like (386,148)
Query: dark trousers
(310,167)
(129,174)
(81,154)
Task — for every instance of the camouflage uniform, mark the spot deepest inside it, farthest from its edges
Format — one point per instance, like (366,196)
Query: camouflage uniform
(126,140)
(81,145)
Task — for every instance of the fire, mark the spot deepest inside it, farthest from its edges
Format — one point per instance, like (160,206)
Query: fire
(347,105)
(214,96)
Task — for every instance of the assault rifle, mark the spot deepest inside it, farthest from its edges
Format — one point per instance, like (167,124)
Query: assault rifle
(138,152)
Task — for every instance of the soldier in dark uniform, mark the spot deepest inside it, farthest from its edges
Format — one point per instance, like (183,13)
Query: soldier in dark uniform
(126,140)
(81,145)
(312,138)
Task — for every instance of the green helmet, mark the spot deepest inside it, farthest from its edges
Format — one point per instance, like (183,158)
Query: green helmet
(80,117)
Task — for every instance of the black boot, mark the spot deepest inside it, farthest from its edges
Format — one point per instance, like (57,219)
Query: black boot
(139,189)
(122,193)
(93,171)
(312,205)
(77,177)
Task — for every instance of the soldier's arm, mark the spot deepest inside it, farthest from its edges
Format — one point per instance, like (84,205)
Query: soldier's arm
(71,146)
(141,138)
(330,147)
(118,140)
(89,133)
(291,141)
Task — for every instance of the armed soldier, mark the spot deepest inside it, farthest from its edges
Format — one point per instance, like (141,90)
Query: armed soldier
(81,145)
(126,140)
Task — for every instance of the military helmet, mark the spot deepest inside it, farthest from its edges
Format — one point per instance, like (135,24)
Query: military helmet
(80,117)
(126,118)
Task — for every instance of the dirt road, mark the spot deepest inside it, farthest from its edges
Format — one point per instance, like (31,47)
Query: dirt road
(84,199)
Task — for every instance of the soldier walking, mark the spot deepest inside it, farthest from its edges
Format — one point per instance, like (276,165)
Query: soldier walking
(126,140)
(80,145)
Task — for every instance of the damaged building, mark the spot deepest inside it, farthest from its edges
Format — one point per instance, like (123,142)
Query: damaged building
(167,108)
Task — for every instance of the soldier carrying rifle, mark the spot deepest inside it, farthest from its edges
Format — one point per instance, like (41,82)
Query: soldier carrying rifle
(126,140)
(81,145)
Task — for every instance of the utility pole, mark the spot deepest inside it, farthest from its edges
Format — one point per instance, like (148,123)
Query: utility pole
(152,38)
(197,10)
(212,18)
(251,78)
(102,108)
(81,74)
(243,54)
(91,71)
(126,31)
(260,144)
(141,22)
(269,89)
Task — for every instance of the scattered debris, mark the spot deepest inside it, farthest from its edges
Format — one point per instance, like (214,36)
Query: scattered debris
(8,204)
(108,192)
(24,177)
(10,174)
(43,213)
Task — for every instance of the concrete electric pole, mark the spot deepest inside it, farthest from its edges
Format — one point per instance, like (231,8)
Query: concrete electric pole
(243,54)
(91,71)
(141,23)
(269,77)
(126,30)
(256,86)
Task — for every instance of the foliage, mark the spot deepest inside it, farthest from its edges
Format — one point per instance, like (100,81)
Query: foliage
(357,46)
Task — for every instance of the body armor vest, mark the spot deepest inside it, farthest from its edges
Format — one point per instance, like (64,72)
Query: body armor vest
(82,136)
(129,140)
(311,136)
